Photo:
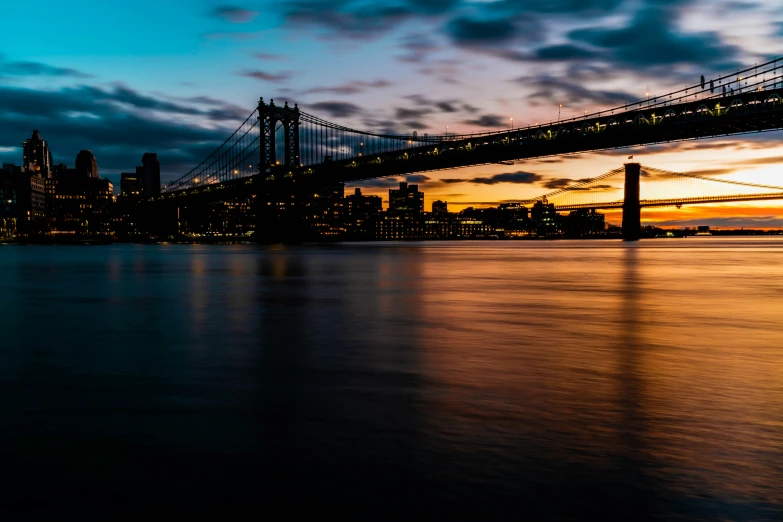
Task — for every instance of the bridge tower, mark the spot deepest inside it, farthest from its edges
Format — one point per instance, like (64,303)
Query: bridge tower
(632,210)
(269,115)
(280,203)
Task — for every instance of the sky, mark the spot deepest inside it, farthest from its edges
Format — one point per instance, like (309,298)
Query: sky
(176,77)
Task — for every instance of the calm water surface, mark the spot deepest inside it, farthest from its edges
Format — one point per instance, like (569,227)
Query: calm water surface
(489,380)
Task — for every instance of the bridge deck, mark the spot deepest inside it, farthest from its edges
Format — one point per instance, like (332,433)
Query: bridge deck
(673,201)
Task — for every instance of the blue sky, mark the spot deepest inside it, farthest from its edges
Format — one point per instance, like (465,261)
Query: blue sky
(175,77)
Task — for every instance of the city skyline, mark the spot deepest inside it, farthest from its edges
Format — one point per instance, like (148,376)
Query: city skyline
(149,85)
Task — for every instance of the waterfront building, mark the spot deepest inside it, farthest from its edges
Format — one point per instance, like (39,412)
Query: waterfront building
(37,158)
(584,222)
(407,200)
(325,213)
(440,207)
(22,202)
(395,227)
(545,218)
(361,214)
(82,206)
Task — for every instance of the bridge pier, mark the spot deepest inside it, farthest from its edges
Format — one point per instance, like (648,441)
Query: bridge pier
(280,212)
(632,210)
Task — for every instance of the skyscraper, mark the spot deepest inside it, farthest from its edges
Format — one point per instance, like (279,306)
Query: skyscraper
(149,174)
(87,164)
(37,156)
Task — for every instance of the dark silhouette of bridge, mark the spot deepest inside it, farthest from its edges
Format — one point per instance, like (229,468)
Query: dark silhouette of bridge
(281,153)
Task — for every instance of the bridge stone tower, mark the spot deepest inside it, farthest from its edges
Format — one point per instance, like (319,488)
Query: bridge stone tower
(268,117)
(280,203)
(632,211)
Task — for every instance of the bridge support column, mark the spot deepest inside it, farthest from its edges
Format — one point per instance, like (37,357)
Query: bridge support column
(281,211)
(632,211)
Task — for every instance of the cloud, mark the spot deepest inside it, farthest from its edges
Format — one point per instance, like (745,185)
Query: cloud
(559,183)
(488,120)
(235,15)
(417,178)
(378,183)
(358,19)
(597,188)
(354,87)
(118,124)
(722,222)
(520,177)
(564,52)
(269,56)
(572,8)
(336,109)
(265,76)
(652,39)
(711,172)
(23,69)
(417,47)
(552,90)
(468,31)
(769,160)
(509,177)
(440,105)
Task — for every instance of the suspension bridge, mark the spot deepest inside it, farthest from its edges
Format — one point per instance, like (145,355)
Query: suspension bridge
(281,153)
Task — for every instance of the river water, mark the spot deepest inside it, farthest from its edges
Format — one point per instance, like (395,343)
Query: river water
(473,380)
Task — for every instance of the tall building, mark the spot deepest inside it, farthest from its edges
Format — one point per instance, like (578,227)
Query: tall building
(37,156)
(130,185)
(22,202)
(86,164)
(325,213)
(361,213)
(545,217)
(405,218)
(149,174)
(406,200)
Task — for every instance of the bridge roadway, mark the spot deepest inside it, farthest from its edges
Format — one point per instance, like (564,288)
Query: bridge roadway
(671,202)
(740,113)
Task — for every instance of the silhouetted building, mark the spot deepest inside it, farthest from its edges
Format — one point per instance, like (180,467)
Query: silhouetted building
(465,225)
(584,222)
(131,185)
(86,164)
(440,207)
(545,217)
(405,218)
(37,156)
(60,170)
(22,203)
(512,220)
(395,227)
(82,205)
(325,213)
(406,200)
(361,214)
(149,174)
